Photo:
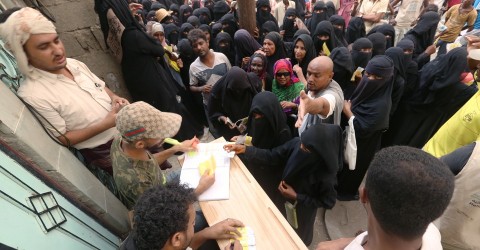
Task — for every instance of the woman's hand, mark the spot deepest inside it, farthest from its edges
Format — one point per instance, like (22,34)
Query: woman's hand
(347,106)
(238,149)
(286,105)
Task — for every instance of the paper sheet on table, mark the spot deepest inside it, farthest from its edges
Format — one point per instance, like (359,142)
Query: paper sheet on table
(190,175)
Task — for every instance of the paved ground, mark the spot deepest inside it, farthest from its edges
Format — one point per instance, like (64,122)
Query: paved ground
(344,220)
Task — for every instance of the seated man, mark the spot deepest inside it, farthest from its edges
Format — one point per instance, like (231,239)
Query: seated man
(135,169)
(164,219)
(79,109)
(406,189)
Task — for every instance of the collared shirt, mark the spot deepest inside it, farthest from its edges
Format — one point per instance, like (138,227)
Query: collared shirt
(408,11)
(69,104)
(372,7)
(430,240)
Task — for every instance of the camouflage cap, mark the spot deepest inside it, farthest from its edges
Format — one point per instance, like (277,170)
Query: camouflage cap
(140,120)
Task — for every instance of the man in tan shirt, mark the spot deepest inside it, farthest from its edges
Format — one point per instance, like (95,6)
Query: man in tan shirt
(371,11)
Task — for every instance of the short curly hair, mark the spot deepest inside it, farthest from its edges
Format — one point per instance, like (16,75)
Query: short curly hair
(160,212)
(195,34)
(407,189)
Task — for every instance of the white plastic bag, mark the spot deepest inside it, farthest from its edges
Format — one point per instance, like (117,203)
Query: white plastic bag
(350,145)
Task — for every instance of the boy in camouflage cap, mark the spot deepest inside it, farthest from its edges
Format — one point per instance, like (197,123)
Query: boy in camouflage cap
(135,169)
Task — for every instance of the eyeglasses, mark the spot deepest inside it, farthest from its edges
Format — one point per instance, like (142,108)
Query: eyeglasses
(280,74)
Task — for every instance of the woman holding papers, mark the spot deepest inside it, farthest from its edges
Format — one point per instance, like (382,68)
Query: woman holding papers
(310,173)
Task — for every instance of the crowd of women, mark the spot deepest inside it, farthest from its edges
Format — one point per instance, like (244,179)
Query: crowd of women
(398,95)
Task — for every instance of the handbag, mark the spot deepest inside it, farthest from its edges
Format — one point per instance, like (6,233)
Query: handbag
(350,145)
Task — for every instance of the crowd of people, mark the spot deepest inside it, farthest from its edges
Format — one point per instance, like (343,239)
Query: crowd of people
(285,93)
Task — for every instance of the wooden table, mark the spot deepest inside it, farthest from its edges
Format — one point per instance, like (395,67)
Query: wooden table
(251,205)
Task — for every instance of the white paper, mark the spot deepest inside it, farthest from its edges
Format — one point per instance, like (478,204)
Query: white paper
(190,175)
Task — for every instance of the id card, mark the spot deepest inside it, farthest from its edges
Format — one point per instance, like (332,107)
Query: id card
(291,211)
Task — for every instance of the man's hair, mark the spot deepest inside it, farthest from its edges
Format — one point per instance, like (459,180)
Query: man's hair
(161,212)
(407,189)
(195,34)
(7,13)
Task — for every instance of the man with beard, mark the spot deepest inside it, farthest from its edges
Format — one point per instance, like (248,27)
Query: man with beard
(79,108)
(324,101)
(207,69)
(164,219)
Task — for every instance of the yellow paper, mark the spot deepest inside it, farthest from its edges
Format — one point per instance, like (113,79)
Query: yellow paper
(209,166)
(247,240)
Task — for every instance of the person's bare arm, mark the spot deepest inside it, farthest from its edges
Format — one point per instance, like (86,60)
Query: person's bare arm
(227,229)
(373,17)
(76,136)
(315,106)
(115,98)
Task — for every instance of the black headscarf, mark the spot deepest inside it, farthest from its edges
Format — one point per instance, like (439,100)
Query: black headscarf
(232,96)
(268,27)
(319,167)
(172,33)
(184,9)
(187,55)
(264,15)
(220,9)
(317,17)
(280,52)
(194,20)
(360,59)
(289,25)
(355,30)
(310,52)
(175,8)
(157,5)
(204,15)
(245,45)
(195,4)
(339,33)
(186,27)
(411,71)
(387,30)
(121,10)
(399,75)
(147,4)
(300,9)
(371,100)
(379,43)
(229,23)
(228,49)
(423,33)
(342,67)
(330,9)
(271,130)
(324,28)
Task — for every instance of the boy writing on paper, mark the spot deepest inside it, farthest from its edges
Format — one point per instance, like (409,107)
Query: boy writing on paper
(135,169)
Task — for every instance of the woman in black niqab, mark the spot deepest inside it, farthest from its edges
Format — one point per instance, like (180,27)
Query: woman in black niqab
(343,70)
(172,33)
(264,12)
(387,30)
(224,44)
(370,107)
(360,57)
(220,9)
(423,35)
(184,13)
(288,25)
(147,78)
(311,168)
(229,24)
(324,28)
(355,29)
(439,96)
(319,14)
(330,9)
(245,45)
(232,97)
(379,43)
(338,23)
(204,15)
(411,72)
(399,75)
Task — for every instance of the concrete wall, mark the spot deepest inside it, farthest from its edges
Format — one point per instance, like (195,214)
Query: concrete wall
(79,28)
